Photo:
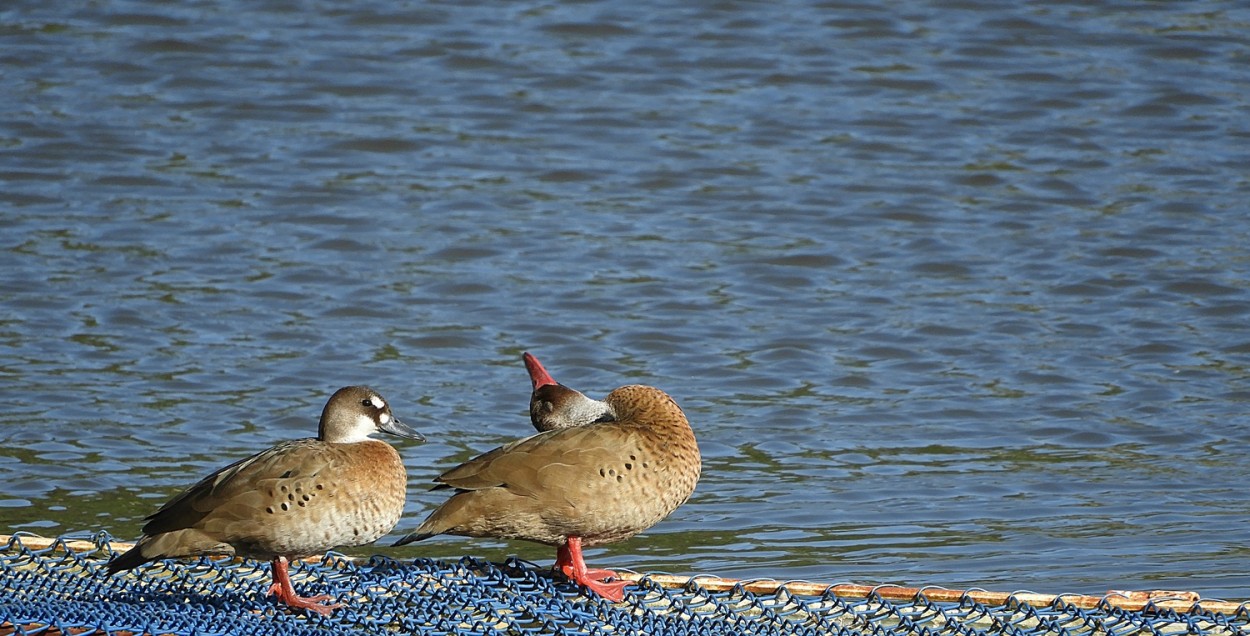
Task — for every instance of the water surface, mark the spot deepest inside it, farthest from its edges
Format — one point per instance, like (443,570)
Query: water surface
(953,293)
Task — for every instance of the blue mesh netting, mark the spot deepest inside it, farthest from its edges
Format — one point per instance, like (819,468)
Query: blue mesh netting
(59,589)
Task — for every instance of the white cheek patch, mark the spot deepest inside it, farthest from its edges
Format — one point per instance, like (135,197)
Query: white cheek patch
(384,418)
(365,425)
(377,402)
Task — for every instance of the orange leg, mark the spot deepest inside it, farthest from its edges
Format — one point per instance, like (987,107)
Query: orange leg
(570,563)
(283,591)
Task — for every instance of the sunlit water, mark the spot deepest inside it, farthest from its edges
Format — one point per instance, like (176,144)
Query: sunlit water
(953,293)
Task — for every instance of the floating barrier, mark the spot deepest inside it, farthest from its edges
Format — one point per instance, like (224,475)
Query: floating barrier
(60,586)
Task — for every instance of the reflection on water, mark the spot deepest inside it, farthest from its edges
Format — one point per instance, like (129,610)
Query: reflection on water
(952,295)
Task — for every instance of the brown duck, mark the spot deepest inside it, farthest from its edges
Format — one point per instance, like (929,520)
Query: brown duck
(600,476)
(294,500)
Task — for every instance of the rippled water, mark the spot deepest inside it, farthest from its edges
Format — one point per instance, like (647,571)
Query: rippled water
(953,293)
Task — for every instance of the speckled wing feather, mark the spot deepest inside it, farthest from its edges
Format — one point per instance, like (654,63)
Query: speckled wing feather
(238,484)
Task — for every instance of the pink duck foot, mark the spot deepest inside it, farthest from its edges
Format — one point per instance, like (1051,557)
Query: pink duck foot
(285,593)
(614,591)
(570,563)
(312,603)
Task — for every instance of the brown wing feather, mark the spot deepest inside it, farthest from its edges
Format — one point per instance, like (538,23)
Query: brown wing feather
(558,457)
(234,482)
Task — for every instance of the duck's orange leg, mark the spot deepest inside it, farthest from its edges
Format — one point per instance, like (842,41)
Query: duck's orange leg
(570,563)
(283,591)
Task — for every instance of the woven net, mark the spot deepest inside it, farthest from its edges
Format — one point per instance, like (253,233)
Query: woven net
(63,587)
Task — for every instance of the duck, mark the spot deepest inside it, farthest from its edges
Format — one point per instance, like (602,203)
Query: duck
(599,477)
(294,500)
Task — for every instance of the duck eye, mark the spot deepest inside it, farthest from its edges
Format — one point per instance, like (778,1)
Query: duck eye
(366,402)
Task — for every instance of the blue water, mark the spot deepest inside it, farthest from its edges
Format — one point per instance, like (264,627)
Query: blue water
(953,293)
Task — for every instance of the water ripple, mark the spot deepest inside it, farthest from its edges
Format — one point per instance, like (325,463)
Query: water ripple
(953,294)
